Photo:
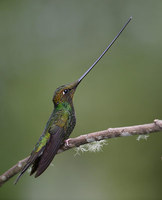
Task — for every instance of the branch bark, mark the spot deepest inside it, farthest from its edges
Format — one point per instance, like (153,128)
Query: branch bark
(144,129)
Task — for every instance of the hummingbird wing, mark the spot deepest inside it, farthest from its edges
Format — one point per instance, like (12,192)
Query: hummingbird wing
(57,135)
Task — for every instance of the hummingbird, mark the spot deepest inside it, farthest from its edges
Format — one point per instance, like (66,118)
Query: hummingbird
(60,124)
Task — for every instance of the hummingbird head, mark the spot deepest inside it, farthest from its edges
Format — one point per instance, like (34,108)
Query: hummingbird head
(65,93)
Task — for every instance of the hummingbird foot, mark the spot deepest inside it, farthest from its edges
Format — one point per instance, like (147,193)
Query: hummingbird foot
(67,143)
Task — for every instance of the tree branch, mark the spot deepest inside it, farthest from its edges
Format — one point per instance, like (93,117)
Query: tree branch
(144,129)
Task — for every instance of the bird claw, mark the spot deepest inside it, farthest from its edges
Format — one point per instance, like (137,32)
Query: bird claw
(67,142)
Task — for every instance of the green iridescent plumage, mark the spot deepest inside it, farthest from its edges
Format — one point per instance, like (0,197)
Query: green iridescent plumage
(60,116)
(58,128)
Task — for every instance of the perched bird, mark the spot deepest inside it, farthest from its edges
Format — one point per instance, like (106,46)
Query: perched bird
(60,124)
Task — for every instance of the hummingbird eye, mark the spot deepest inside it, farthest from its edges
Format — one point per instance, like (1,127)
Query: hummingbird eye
(65,91)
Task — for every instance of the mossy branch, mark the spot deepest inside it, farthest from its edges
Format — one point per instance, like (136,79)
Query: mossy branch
(144,129)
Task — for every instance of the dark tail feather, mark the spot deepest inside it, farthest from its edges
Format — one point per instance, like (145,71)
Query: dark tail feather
(22,172)
(30,161)
(35,165)
(49,153)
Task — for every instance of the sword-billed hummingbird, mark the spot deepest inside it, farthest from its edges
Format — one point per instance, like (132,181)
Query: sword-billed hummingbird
(60,124)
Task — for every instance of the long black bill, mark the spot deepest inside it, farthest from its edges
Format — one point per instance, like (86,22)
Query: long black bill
(104,52)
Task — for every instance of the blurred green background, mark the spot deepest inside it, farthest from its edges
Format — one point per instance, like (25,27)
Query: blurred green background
(44,44)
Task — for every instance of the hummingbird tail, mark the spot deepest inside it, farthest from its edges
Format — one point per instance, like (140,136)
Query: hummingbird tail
(22,172)
(30,161)
(35,165)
